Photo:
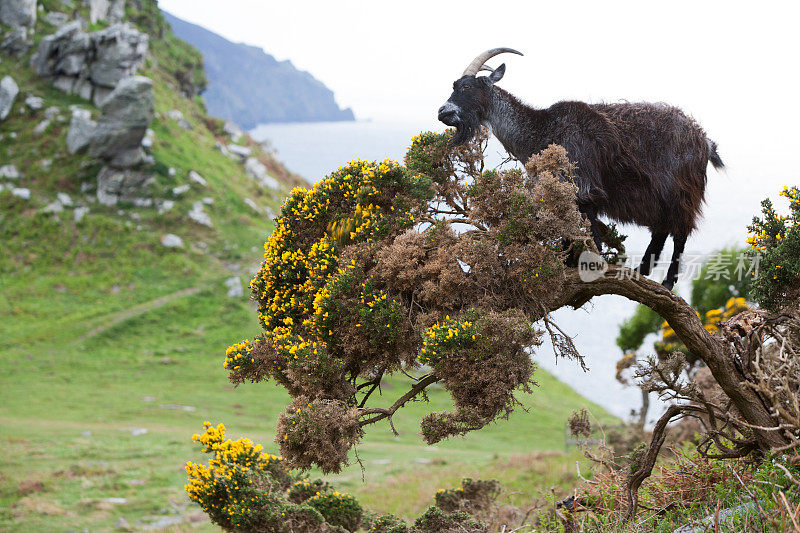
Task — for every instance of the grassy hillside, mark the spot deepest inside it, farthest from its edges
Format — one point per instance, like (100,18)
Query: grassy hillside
(111,345)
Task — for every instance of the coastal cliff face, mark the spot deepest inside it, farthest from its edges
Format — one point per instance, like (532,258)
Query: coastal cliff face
(250,87)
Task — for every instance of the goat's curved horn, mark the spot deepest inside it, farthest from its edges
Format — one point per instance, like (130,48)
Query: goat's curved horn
(478,62)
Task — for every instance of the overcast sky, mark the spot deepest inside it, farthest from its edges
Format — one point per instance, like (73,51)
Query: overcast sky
(396,60)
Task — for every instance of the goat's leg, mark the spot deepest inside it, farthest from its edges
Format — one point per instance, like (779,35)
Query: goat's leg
(594,224)
(652,253)
(679,242)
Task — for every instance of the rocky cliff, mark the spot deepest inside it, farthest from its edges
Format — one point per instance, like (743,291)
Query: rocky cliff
(251,87)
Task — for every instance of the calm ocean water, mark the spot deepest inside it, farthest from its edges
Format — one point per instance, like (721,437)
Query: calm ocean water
(753,173)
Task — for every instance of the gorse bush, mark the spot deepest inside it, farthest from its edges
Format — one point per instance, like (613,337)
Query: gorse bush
(775,239)
(244,489)
(382,267)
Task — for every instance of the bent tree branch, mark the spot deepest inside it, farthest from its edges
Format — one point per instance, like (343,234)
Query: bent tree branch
(683,319)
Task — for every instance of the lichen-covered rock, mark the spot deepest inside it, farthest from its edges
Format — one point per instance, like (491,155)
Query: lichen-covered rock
(8,94)
(17,13)
(126,114)
(90,65)
(115,185)
(81,129)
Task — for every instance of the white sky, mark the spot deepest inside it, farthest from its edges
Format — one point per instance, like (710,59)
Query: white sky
(727,63)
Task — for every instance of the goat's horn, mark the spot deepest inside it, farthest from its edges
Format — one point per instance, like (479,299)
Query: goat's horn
(487,68)
(478,62)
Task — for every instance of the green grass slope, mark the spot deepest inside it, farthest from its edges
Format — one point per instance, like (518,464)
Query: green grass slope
(111,345)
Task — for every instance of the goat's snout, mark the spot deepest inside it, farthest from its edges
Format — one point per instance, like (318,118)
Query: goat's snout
(448,114)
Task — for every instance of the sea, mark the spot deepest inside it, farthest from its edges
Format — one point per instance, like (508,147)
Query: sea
(753,172)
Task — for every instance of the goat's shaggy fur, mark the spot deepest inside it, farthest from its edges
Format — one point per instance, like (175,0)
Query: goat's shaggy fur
(637,163)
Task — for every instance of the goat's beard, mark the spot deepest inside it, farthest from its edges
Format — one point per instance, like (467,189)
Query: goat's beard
(466,130)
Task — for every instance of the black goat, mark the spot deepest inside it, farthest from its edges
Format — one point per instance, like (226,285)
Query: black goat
(641,163)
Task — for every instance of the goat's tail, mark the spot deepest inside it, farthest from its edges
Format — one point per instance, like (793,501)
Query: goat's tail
(713,156)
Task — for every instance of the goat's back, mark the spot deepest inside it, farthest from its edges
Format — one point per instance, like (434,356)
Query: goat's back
(670,152)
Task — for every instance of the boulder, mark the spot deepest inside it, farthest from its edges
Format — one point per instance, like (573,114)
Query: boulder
(16,43)
(256,170)
(233,130)
(53,207)
(181,189)
(170,240)
(8,94)
(126,114)
(98,10)
(178,117)
(64,199)
(81,130)
(25,194)
(79,213)
(35,103)
(121,185)
(197,178)
(10,172)
(41,127)
(149,139)
(242,151)
(18,13)
(199,215)
(234,285)
(165,206)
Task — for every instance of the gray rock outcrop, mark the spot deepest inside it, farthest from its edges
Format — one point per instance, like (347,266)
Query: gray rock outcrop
(90,65)
(258,171)
(98,10)
(110,10)
(56,18)
(81,130)
(16,42)
(17,13)
(122,185)
(126,114)
(8,94)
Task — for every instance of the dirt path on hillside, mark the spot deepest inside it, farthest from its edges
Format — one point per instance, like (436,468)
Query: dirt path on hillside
(137,310)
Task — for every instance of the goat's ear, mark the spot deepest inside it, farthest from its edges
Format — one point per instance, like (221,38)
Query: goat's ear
(497,75)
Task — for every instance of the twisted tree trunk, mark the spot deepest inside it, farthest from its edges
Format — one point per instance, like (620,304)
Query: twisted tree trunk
(683,319)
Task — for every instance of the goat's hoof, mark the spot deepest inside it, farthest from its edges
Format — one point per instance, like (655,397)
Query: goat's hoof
(668,284)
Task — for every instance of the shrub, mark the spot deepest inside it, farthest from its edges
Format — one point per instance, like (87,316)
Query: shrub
(365,275)
(244,489)
(775,240)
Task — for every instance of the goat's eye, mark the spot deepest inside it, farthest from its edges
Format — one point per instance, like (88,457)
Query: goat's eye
(467,87)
